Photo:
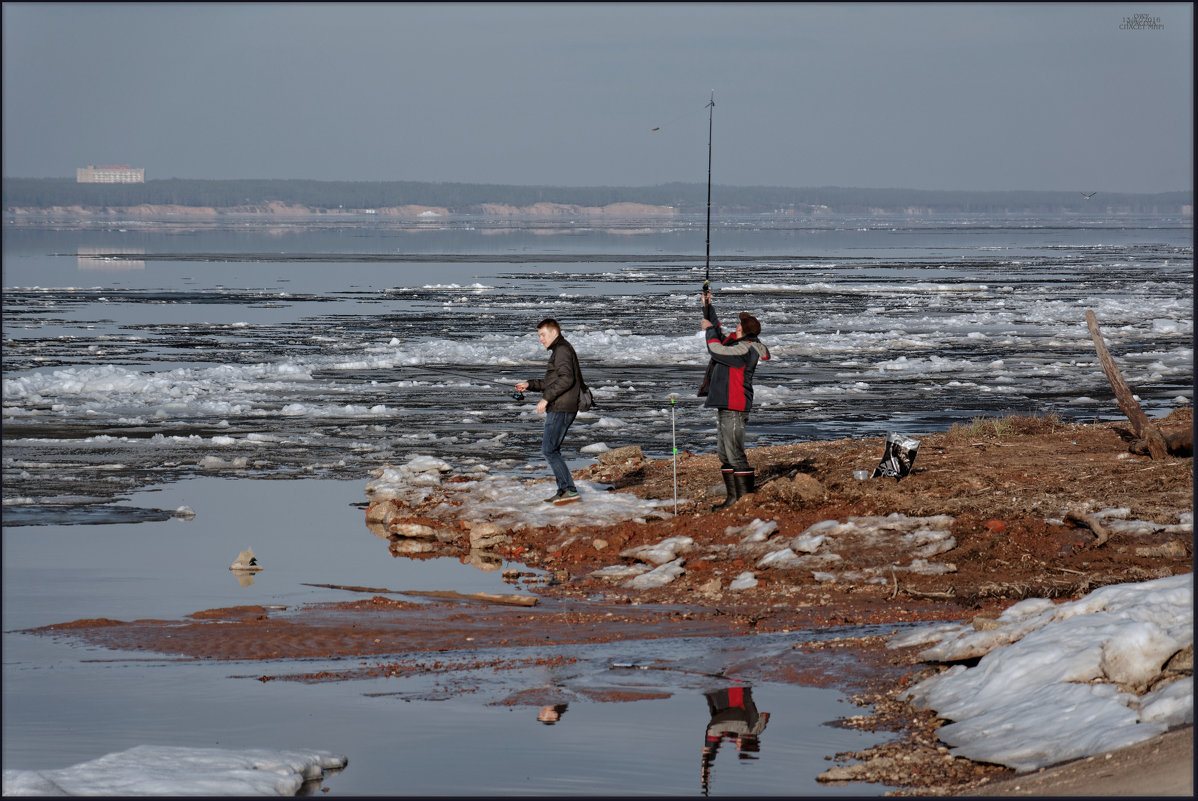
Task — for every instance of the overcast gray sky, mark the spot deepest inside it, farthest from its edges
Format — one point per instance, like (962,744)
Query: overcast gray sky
(927,96)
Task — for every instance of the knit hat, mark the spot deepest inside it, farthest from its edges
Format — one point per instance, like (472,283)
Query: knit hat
(749,324)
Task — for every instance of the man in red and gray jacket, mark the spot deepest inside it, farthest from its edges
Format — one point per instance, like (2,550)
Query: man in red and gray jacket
(728,387)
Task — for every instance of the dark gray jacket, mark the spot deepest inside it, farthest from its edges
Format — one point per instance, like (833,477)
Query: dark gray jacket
(560,387)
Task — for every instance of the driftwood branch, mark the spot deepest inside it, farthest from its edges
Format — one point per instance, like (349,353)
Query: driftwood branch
(487,597)
(1145,428)
(1091,522)
(944,595)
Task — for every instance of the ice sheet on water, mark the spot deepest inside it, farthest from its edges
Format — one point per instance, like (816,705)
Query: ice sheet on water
(168,770)
(240,391)
(1047,686)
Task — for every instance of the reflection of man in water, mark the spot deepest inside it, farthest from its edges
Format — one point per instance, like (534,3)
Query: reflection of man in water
(734,716)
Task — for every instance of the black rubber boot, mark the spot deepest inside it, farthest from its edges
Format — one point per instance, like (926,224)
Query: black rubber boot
(730,495)
(744,482)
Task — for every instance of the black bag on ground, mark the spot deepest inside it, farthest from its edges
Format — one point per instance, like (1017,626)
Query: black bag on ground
(897,457)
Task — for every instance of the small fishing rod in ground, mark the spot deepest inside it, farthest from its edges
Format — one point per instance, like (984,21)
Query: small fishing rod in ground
(431,370)
(674,447)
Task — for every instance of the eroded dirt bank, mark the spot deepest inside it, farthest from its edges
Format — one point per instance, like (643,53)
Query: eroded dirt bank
(1014,511)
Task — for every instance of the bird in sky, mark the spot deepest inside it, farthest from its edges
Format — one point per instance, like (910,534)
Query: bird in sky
(1088,196)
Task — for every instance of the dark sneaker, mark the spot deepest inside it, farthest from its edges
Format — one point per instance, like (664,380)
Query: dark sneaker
(569,496)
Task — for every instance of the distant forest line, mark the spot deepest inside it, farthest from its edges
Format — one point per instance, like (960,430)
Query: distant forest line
(462,198)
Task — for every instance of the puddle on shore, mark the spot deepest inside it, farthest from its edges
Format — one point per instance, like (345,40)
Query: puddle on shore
(471,731)
(400,740)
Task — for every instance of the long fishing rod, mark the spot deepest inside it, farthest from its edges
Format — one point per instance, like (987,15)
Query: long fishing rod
(707,274)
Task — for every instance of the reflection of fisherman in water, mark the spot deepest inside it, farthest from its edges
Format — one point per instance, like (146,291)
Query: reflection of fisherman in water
(733,716)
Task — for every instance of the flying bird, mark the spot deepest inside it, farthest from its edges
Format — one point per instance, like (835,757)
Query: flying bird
(1088,196)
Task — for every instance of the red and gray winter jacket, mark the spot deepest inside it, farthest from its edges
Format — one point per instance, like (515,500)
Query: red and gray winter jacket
(729,380)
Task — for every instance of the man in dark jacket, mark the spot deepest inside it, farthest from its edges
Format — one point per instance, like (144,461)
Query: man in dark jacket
(728,387)
(559,403)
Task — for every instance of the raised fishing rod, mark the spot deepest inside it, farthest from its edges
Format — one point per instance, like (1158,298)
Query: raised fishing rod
(707,274)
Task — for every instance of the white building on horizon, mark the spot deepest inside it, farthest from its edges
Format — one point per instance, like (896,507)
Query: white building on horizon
(110,174)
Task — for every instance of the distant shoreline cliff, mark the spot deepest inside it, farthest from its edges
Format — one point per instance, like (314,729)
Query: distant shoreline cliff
(405,212)
(28,197)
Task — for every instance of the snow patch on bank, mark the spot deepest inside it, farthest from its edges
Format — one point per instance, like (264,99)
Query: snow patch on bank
(1057,682)
(506,501)
(167,770)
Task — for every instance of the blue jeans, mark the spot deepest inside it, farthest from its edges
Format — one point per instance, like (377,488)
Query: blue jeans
(556,426)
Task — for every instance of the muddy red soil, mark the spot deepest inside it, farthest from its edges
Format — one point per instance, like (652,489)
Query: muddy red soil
(1022,493)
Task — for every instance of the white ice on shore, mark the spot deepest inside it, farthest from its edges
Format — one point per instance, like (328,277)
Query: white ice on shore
(757,531)
(895,535)
(658,576)
(743,581)
(658,554)
(506,501)
(1057,682)
(170,770)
